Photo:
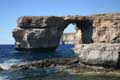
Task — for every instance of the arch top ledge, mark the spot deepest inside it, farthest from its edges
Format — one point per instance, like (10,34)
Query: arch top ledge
(43,21)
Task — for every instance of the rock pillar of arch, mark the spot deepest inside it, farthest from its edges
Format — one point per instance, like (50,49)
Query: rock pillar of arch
(41,33)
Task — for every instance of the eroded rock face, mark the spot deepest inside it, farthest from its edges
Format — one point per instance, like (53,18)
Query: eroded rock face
(103,28)
(38,33)
(101,43)
(107,29)
(102,54)
(44,33)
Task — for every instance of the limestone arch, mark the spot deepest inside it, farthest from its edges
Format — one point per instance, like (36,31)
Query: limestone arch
(85,30)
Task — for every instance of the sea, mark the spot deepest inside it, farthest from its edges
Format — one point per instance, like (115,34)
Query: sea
(9,56)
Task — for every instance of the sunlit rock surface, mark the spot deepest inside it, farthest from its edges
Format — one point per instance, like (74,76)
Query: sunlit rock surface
(38,33)
(98,43)
(92,34)
(101,54)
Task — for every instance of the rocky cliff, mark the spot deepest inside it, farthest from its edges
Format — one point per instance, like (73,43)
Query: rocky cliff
(67,38)
(97,37)
(97,42)
(38,33)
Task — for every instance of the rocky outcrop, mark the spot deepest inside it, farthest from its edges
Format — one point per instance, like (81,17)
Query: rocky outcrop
(38,33)
(54,62)
(64,63)
(44,32)
(100,45)
(101,54)
(103,28)
(97,37)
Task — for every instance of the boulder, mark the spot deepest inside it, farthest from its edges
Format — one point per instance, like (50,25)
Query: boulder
(99,54)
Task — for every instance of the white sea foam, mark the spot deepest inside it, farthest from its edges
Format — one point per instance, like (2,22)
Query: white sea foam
(4,78)
(7,64)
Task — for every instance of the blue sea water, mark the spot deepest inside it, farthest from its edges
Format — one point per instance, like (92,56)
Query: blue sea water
(9,56)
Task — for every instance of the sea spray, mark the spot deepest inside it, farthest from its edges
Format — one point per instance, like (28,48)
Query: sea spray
(7,64)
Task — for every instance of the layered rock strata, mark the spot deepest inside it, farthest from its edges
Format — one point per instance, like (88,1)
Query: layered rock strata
(93,34)
(38,33)
(100,44)
(101,54)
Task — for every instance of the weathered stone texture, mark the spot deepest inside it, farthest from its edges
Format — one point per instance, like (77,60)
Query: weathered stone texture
(100,29)
(44,33)
(38,32)
(107,29)
(103,54)
(104,48)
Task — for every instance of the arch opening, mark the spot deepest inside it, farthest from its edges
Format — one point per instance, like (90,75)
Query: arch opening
(77,32)
(68,34)
(67,41)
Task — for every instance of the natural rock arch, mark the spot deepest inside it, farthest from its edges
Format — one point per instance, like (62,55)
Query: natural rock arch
(44,32)
(97,38)
(85,30)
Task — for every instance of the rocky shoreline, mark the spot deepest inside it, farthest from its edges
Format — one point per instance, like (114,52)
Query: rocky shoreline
(55,62)
(67,68)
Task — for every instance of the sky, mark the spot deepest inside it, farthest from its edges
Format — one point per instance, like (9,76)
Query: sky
(10,10)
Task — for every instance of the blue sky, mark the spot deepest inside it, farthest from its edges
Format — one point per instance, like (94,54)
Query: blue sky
(10,10)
